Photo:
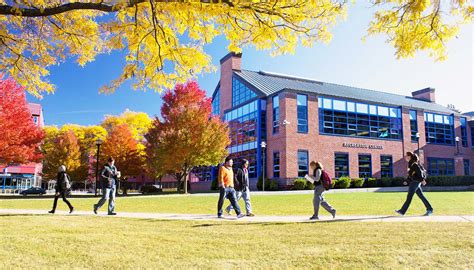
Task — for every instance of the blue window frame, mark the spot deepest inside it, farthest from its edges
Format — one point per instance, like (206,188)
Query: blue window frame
(240,92)
(467,167)
(439,128)
(365,166)
(348,118)
(341,164)
(276,114)
(440,166)
(386,166)
(302,163)
(302,111)
(276,164)
(463,131)
(472,137)
(216,102)
(413,126)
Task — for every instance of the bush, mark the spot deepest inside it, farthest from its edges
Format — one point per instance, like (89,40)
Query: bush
(333,183)
(450,180)
(214,184)
(343,182)
(309,185)
(270,185)
(299,184)
(371,182)
(398,181)
(357,182)
(386,182)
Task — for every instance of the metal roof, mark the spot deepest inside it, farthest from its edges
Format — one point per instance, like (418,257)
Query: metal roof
(271,83)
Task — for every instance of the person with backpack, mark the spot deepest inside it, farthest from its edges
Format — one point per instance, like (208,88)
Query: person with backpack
(416,178)
(322,182)
(62,187)
(242,188)
(109,176)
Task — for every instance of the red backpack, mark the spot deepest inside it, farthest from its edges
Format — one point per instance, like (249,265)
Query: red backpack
(326,180)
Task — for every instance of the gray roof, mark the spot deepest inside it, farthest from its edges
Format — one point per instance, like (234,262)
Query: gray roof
(271,83)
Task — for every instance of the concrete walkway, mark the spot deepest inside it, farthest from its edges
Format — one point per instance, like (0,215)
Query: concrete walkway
(256,219)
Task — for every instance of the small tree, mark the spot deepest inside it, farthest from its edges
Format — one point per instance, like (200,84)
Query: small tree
(19,137)
(62,148)
(188,136)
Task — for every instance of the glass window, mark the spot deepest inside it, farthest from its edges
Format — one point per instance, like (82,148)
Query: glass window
(467,167)
(472,136)
(439,166)
(361,124)
(339,105)
(276,164)
(365,166)
(341,164)
(240,92)
(216,103)
(327,103)
(302,163)
(413,125)
(320,102)
(438,132)
(463,131)
(276,114)
(362,108)
(386,166)
(302,111)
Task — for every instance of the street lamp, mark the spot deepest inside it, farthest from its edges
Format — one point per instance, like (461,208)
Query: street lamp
(457,139)
(98,142)
(418,141)
(263,145)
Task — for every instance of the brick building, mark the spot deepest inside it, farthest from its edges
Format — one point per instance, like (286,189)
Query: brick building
(23,176)
(354,132)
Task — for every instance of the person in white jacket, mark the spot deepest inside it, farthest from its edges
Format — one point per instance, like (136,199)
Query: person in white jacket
(319,189)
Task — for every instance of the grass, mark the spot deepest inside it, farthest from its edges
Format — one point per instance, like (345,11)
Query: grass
(99,242)
(444,203)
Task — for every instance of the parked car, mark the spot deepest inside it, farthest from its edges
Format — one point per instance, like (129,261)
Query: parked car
(150,189)
(33,190)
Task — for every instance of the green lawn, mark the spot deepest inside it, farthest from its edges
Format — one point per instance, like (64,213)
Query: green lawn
(444,203)
(99,242)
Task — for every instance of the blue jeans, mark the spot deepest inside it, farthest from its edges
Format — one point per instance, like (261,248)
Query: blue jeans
(107,194)
(229,193)
(245,195)
(415,187)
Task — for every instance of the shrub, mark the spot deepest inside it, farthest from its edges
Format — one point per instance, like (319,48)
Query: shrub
(214,184)
(386,182)
(270,184)
(357,182)
(309,185)
(333,184)
(450,180)
(299,184)
(371,182)
(343,182)
(398,181)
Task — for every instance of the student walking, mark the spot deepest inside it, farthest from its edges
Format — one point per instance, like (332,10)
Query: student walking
(62,188)
(319,189)
(242,188)
(416,178)
(225,179)
(109,177)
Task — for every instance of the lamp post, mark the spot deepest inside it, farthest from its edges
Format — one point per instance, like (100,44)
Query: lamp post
(457,144)
(418,141)
(263,145)
(98,142)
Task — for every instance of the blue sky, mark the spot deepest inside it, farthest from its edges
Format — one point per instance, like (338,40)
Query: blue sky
(345,60)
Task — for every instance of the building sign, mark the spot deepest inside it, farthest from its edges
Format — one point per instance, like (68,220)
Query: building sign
(363,146)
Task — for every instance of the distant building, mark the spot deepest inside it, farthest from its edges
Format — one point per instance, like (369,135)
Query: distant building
(23,176)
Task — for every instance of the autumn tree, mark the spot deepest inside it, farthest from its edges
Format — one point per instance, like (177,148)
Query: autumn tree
(188,136)
(62,148)
(121,145)
(138,122)
(164,41)
(20,138)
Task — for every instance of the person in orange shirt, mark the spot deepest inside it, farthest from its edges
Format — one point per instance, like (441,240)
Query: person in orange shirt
(225,180)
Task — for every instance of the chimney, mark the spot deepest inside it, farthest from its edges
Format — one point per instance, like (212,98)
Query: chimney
(229,63)
(427,94)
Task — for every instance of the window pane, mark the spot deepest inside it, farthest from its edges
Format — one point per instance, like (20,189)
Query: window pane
(362,108)
(351,106)
(339,105)
(327,103)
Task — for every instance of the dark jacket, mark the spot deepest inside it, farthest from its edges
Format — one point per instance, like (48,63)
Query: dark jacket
(59,182)
(241,180)
(414,172)
(108,176)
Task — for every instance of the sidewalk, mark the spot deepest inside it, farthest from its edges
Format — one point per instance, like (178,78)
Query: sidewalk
(256,219)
